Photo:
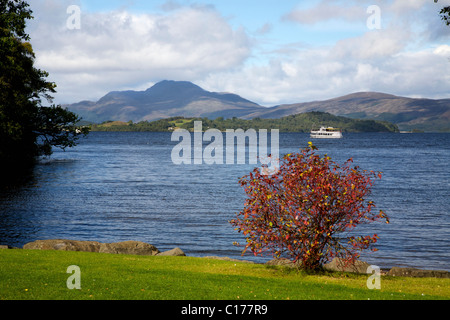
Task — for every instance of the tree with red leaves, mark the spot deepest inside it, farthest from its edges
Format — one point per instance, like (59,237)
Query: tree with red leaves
(308,210)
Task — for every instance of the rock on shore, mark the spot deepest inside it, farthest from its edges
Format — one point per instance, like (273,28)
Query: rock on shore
(125,247)
(338,264)
(417,273)
(63,245)
(129,247)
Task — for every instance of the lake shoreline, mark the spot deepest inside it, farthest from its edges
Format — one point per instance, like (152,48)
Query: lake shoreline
(114,186)
(141,248)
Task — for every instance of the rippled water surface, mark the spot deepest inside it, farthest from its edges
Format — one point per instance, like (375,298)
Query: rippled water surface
(124,186)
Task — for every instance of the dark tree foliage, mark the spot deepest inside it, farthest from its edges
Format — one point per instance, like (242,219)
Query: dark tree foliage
(445,15)
(302,122)
(27,128)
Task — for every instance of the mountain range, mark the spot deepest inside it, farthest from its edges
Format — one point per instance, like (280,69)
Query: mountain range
(182,98)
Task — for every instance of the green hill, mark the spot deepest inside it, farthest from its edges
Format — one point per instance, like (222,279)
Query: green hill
(295,123)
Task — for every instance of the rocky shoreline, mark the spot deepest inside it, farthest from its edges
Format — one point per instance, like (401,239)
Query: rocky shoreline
(125,247)
(141,248)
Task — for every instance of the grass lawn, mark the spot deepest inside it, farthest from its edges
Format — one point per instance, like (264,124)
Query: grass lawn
(42,275)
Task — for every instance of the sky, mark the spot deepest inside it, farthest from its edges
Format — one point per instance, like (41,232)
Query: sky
(270,52)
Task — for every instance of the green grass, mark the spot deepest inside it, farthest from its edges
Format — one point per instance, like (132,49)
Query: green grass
(41,275)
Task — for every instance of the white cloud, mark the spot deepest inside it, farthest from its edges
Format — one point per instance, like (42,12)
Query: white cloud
(375,44)
(114,49)
(328,10)
(407,56)
(402,7)
(443,50)
(122,50)
(320,74)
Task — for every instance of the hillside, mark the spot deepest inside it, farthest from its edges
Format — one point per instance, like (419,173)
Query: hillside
(407,113)
(181,98)
(294,123)
(164,99)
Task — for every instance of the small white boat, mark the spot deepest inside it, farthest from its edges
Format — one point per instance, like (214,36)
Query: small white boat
(326,133)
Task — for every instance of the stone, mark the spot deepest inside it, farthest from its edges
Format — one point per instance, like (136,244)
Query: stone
(126,247)
(173,252)
(338,264)
(4,247)
(64,245)
(413,272)
(283,262)
(129,247)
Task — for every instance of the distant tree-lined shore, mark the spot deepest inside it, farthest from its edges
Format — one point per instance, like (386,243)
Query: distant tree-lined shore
(303,122)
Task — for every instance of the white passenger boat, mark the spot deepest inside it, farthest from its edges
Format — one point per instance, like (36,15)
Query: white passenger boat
(326,133)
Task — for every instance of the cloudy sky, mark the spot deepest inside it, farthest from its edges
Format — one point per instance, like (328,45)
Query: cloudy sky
(271,52)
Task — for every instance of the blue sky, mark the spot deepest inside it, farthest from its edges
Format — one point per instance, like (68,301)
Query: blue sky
(255,16)
(271,52)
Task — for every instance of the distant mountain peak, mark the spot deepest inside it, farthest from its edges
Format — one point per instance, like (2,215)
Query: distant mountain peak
(173,87)
(165,99)
(169,98)
(368,95)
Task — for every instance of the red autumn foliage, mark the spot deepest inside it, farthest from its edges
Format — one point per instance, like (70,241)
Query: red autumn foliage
(307,210)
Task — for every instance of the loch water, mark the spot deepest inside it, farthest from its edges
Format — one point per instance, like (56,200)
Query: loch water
(118,186)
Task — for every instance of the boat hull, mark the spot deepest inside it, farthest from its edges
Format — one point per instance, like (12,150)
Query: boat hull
(315,136)
(326,133)
(331,136)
